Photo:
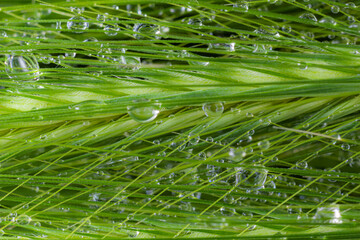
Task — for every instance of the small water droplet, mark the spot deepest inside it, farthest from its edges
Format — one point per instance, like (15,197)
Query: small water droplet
(237,153)
(302,66)
(345,146)
(308,16)
(286,28)
(23,220)
(101,17)
(264,144)
(111,29)
(146,31)
(329,214)
(78,24)
(250,178)
(335,9)
(209,139)
(328,20)
(144,112)
(241,5)
(213,109)
(22,67)
(302,164)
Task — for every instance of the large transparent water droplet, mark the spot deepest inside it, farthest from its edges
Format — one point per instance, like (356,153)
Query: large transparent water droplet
(78,24)
(328,214)
(327,20)
(22,67)
(264,144)
(237,153)
(146,31)
(250,178)
(213,109)
(308,16)
(335,9)
(111,29)
(144,111)
(23,220)
(241,5)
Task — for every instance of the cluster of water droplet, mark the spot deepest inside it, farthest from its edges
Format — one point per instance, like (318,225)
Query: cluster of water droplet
(213,164)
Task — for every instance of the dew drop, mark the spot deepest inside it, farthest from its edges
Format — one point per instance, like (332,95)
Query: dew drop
(111,29)
(335,9)
(22,67)
(101,17)
(327,20)
(195,22)
(213,109)
(23,220)
(328,214)
(264,144)
(145,31)
(78,24)
(345,146)
(209,139)
(302,66)
(144,112)
(301,164)
(350,5)
(241,5)
(250,178)
(237,153)
(286,28)
(193,140)
(308,16)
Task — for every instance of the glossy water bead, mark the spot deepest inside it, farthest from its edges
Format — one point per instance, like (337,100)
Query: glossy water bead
(22,67)
(78,24)
(250,178)
(213,109)
(144,112)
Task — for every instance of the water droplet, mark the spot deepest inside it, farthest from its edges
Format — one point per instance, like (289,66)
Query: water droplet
(237,153)
(308,16)
(242,5)
(186,54)
(335,9)
(22,67)
(213,109)
(301,164)
(345,146)
(264,144)
(286,28)
(195,22)
(111,29)
(92,39)
(78,24)
(350,5)
(23,220)
(193,140)
(209,139)
(101,17)
(329,214)
(144,112)
(145,31)
(249,115)
(37,224)
(328,20)
(302,66)
(250,178)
